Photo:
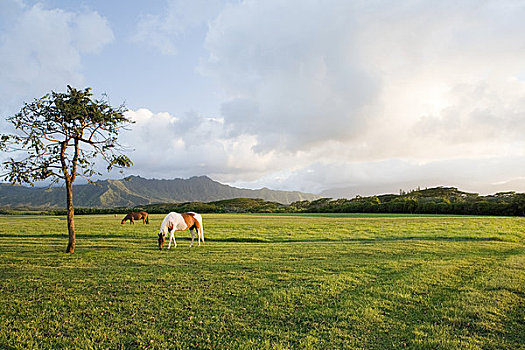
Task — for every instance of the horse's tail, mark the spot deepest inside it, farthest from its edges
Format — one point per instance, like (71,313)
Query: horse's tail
(147,219)
(201,231)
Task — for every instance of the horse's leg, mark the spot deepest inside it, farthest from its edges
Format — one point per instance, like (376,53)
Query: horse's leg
(172,236)
(192,237)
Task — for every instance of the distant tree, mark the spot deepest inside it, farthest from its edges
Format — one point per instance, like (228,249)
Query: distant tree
(518,204)
(62,135)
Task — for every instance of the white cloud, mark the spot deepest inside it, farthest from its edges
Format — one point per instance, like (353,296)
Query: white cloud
(91,32)
(448,79)
(42,49)
(292,73)
(371,74)
(343,83)
(164,32)
(167,146)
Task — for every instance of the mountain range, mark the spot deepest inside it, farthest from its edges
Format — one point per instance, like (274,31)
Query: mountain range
(135,191)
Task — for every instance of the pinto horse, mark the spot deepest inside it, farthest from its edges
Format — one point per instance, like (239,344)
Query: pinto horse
(136,216)
(180,222)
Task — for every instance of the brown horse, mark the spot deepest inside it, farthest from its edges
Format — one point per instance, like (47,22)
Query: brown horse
(136,216)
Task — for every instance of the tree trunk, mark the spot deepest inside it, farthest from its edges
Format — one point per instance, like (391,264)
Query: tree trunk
(70,217)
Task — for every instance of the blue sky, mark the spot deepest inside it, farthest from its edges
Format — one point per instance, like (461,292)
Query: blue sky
(364,97)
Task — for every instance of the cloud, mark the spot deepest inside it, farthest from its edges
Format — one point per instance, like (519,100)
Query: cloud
(331,87)
(42,49)
(323,95)
(381,79)
(449,80)
(187,145)
(292,74)
(180,18)
(162,145)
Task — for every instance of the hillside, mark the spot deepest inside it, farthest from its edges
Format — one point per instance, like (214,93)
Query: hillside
(134,191)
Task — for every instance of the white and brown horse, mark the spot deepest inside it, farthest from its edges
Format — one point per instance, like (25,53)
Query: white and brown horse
(136,216)
(180,222)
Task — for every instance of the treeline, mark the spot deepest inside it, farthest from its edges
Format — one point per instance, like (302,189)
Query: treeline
(501,204)
(439,200)
(236,205)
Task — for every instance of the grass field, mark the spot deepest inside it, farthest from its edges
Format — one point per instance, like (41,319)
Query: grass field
(265,282)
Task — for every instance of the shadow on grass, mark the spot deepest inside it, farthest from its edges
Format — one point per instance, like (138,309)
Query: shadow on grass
(240,240)
(361,240)
(32,235)
(266,240)
(65,235)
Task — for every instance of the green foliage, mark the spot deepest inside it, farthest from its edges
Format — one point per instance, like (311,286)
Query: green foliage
(62,134)
(439,200)
(265,282)
(236,205)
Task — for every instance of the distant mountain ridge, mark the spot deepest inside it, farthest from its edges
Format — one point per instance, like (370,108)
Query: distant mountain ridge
(135,191)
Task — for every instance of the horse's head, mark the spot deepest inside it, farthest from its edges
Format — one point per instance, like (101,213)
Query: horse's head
(123,221)
(165,228)
(162,239)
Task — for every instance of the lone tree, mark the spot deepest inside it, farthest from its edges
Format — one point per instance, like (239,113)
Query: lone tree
(62,135)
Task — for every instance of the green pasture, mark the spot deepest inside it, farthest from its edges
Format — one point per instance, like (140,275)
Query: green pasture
(265,282)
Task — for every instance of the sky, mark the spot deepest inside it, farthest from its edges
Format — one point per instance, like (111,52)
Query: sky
(334,97)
